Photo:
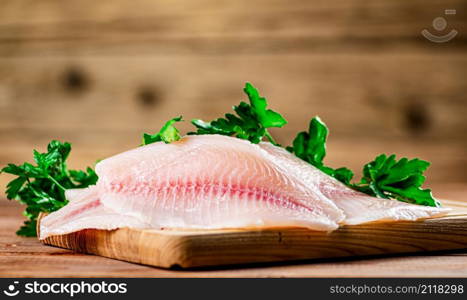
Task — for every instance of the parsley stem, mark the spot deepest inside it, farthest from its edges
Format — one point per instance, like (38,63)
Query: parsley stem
(56,182)
(270,138)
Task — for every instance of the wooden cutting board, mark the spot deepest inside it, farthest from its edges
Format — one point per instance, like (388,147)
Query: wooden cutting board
(200,248)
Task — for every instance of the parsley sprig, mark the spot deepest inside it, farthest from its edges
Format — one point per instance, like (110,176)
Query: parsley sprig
(384,177)
(387,177)
(251,122)
(167,134)
(311,147)
(41,187)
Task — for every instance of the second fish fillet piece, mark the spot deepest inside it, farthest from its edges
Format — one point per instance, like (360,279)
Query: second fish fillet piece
(84,211)
(360,208)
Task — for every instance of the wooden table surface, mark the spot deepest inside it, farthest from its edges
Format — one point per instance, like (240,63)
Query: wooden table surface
(26,257)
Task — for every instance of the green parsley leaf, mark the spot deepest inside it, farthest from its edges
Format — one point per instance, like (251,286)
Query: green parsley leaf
(29,228)
(387,177)
(343,174)
(14,186)
(83,178)
(267,117)
(250,123)
(167,134)
(41,187)
(311,147)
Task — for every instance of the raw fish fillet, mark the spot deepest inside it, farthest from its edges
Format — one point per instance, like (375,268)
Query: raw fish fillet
(360,208)
(213,182)
(84,211)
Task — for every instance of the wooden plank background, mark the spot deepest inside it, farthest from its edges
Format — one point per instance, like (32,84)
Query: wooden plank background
(99,73)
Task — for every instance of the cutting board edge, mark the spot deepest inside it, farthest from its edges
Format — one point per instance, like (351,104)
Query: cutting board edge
(124,243)
(201,248)
(166,249)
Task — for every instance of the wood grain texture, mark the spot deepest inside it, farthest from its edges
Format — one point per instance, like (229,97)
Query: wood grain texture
(186,249)
(218,27)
